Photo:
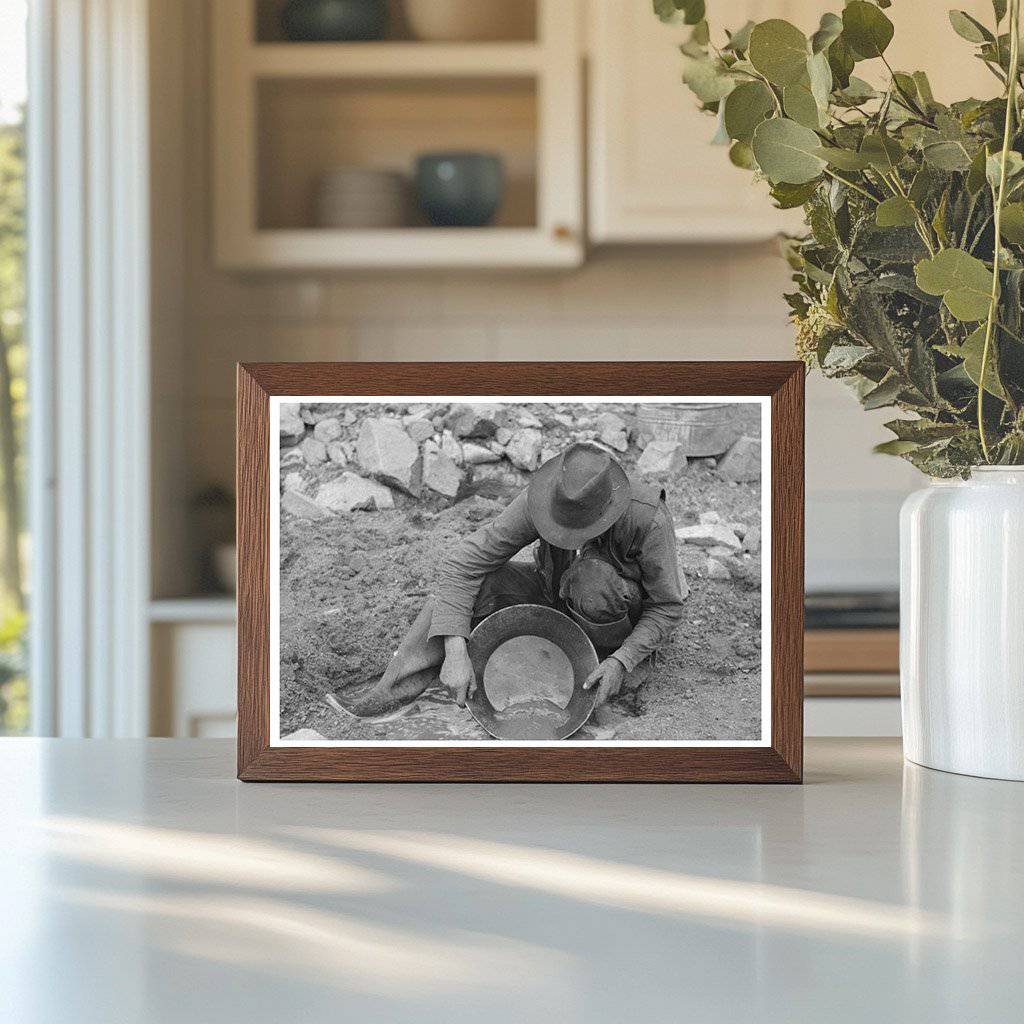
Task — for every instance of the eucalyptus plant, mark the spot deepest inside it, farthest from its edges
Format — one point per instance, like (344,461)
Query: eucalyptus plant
(910,278)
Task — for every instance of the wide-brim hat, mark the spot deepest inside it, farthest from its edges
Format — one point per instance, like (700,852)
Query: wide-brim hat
(577,495)
(538,720)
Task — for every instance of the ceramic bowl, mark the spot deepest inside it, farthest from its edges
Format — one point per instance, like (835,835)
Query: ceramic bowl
(460,189)
(333,21)
(470,20)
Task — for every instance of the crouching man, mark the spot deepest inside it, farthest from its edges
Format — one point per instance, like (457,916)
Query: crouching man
(606,557)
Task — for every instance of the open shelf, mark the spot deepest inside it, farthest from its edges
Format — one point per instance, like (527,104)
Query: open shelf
(392,60)
(308,127)
(286,114)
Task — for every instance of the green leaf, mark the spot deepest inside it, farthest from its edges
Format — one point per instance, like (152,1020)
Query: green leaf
(947,156)
(788,196)
(999,9)
(741,155)
(885,394)
(883,152)
(857,91)
(924,88)
(801,106)
(895,212)
(969,28)
(779,51)
(976,173)
(787,151)
(841,63)
(844,159)
(739,41)
(1012,224)
(829,30)
(895,447)
(690,12)
(971,352)
(923,431)
(963,281)
(707,78)
(922,185)
(745,108)
(993,167)
(819,74)
(866,29)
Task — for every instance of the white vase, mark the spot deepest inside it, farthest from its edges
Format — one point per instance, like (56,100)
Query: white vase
(962,624)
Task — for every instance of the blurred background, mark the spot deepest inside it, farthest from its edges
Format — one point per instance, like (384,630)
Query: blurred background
(254,180)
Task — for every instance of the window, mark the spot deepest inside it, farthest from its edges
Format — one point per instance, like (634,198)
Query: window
(14,692)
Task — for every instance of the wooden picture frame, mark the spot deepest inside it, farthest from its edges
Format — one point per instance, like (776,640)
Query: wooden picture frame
(779,759)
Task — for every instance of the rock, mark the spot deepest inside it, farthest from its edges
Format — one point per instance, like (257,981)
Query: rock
(358,561)
(388,453)
(304,734)
(337,452)
(314,412)
(417,412)
(349,492)
(611,429)
(708,535)
(708,463)
(294,482)
(503,435)
(588,421)
(292,457)
(498,449)
(752,540)
(661,458)
(547,454)
(740,529)
(314,451)
(441,474)
(451,448)
(475,454)
(721,552)
(717,571)
(474,420)
(742,462)
(292,428)
(419,430)
(301,506)
(328,430)
(529,420)
(523,450)
(709,517)
(563,419)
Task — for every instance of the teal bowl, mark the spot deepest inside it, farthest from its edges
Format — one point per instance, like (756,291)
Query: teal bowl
(334,21)
(460,189)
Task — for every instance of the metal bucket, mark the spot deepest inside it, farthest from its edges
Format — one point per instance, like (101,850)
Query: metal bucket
(702,428)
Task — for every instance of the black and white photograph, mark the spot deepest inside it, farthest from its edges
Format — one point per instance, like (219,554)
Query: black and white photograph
(519,571)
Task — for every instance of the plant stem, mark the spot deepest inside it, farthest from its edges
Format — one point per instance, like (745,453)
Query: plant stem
(853,185)
(1011,108)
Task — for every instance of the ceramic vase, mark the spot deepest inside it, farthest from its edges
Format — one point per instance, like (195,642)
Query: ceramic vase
(962,624)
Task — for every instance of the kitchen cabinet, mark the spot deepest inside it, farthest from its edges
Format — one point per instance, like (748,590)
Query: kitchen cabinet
(654,177)
(286,114)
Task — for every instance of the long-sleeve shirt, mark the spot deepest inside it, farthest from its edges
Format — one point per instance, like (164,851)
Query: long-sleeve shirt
(641,546)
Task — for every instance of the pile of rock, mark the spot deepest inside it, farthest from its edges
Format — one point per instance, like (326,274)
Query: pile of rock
(342,458)
(726,544)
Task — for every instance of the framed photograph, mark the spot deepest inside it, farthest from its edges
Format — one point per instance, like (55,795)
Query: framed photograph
(520,571)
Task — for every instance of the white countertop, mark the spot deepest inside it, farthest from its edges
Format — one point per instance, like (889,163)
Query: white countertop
(140,882)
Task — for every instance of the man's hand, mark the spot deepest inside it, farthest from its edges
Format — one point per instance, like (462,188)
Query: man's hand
(457,671)
(608,677)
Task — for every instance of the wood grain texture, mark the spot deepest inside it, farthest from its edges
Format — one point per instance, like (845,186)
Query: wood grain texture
(852,650)
(780,762)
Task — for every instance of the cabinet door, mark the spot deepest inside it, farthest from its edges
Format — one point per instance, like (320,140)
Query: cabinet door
(653,174)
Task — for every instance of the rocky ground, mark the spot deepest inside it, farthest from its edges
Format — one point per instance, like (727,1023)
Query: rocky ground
(373,496)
